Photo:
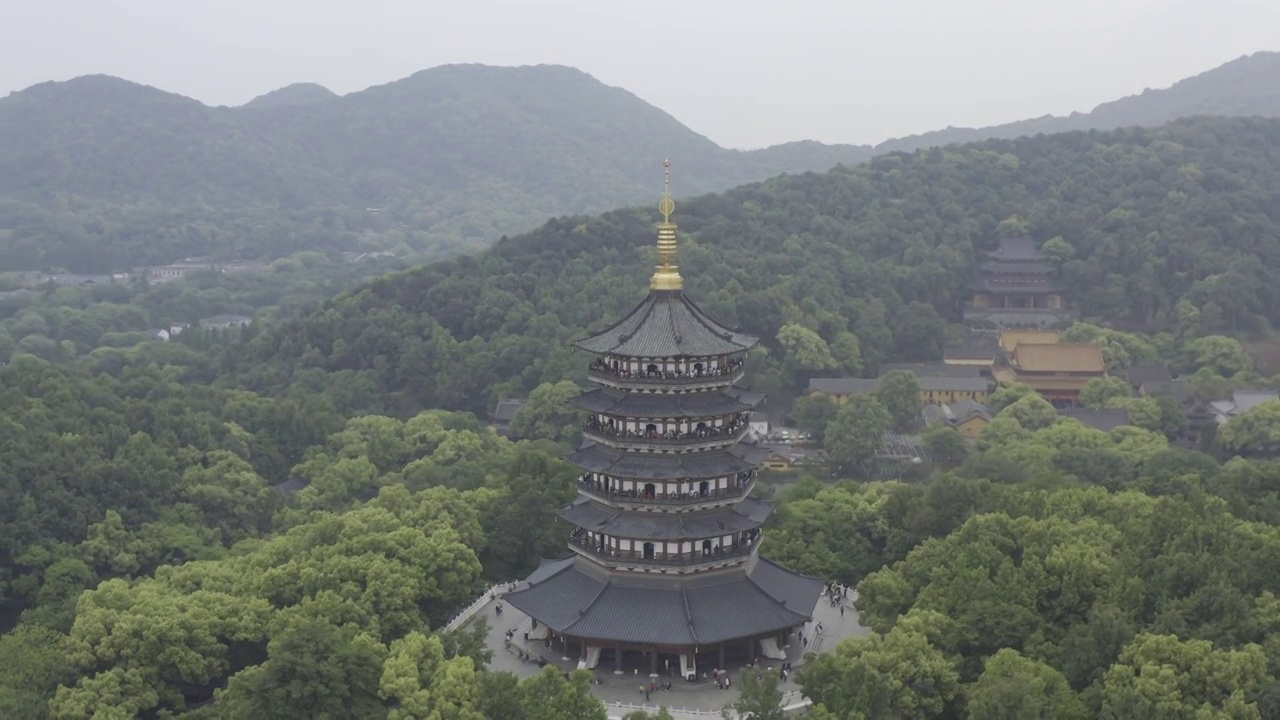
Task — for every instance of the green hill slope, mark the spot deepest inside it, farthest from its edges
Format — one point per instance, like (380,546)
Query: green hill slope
(1163,227)
(1244,87)
(456,154)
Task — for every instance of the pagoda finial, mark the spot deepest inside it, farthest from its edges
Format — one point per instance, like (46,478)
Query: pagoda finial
(667,275)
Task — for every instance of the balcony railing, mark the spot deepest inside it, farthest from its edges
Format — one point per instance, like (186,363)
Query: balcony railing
(705,437)
(742,487)
(657,559)
(731,372)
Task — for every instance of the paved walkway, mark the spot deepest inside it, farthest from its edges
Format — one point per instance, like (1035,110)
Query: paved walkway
(700,699)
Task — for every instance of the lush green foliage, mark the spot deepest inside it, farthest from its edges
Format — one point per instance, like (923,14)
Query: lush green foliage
(219,528)
(69,322)
(1173,228)
(1030,596)
(242,585)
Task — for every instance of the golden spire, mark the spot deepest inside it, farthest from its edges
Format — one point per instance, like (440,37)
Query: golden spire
(667,276)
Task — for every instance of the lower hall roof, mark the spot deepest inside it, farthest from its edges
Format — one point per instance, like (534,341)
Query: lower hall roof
(574,596)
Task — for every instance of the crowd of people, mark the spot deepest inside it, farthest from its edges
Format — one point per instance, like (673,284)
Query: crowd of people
(654,373)
(593,424)
(741,480)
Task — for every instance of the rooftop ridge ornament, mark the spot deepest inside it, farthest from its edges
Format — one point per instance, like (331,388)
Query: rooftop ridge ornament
(667,273)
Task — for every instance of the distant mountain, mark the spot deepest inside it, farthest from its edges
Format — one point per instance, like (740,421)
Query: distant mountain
(295,94)
(99,173)
(1244,87)
(457,154)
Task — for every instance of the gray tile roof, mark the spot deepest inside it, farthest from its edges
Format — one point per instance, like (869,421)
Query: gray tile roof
(927,383)
(1176,389)
(657,466)
(1104,420)
(1023,248)
(748,514)
(667,324)
(934,369)
(668,405)
(975,346)
(935,414)
(1140,375)
(1249,399)
(799,593)
(938,383)
(965,409)
(956,412)
(506,409)
(577,599)
(1025,267)
(843,386)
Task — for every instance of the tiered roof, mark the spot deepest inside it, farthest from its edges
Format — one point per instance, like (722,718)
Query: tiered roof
(1017,265)
(668,405)
(596,457)
(752,596)
(573,596)
(667,325)
(748,514)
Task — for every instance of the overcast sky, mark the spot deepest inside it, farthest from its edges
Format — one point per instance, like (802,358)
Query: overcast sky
(746,73)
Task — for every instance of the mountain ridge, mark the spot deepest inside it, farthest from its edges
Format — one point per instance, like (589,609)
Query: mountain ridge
(885,250)
(1200,94)
(99,173)
(452,156)
(302,93)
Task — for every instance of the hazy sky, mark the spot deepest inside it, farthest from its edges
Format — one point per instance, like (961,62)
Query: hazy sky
(746,73)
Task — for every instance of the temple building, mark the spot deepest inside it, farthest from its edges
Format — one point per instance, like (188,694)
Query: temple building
(1017,287)
(664,570)
(1058,371)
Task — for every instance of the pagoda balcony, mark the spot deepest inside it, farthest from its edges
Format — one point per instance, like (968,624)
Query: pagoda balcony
(705,439)
(667,501)
(665,379)
(686,562)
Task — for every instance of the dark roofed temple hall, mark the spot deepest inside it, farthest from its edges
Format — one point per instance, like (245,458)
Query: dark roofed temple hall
(664,569)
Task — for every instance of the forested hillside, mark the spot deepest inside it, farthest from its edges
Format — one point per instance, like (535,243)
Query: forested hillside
(278,522)
(1173,228)
(99,173)
(1244,87)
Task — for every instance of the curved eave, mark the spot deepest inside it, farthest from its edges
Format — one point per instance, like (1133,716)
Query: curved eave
(594,457)
(749,514)
(667,324)
(764,597)
(668,405)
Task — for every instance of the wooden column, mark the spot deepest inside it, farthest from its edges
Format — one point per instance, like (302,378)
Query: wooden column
(617,659)
(721,649)
(653,660)
(751,649)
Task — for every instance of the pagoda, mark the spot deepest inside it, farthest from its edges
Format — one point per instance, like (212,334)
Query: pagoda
(664,568)
(1017,287)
